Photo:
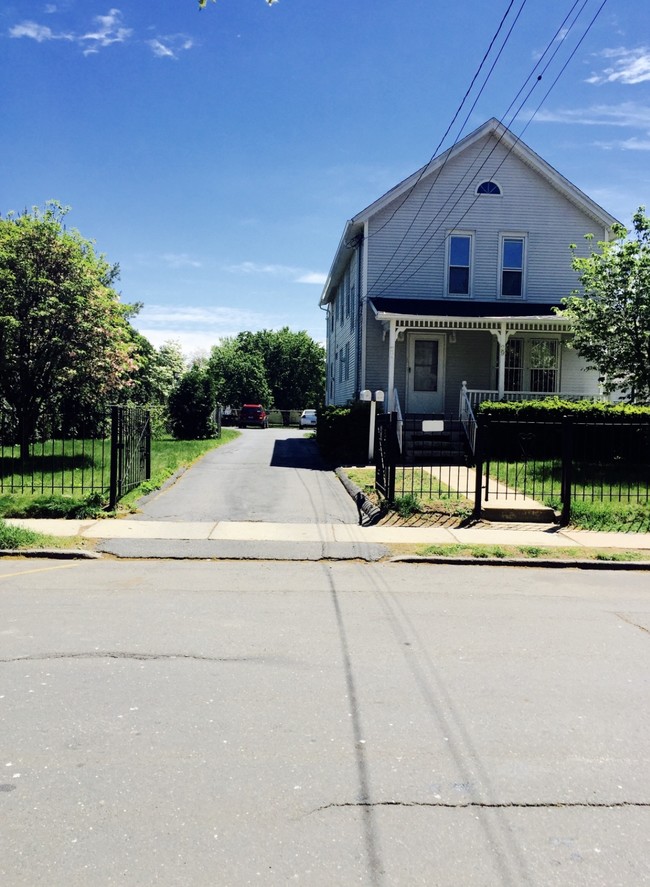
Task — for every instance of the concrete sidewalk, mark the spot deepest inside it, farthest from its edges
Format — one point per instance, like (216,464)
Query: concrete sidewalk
(231,531)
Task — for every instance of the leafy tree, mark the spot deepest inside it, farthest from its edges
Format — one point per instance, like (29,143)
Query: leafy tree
(239,375)
(160,372)
(279,368)
(63,331)
(295,366)
(611,321)
(191,406)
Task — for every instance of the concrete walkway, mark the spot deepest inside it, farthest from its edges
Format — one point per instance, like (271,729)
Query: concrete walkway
(236,531)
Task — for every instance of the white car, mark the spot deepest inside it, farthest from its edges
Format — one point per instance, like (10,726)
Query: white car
(308,419)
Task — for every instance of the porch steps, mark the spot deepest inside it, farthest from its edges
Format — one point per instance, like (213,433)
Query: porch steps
(447,447)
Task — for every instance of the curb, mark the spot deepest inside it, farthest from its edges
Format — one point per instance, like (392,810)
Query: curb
(51,553)
(364,505)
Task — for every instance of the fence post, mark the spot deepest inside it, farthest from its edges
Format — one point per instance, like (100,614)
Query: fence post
(479,451)
(147,463)
(392,456)
(567,469)
(115,481)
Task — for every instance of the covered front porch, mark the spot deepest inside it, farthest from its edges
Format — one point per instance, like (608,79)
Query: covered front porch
(439,363)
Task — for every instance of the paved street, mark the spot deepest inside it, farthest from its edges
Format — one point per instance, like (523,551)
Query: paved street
(222,723)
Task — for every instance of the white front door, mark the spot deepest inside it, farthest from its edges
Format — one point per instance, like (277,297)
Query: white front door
(425,388)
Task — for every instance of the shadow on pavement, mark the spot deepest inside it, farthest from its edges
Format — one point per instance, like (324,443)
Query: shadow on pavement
(297,453)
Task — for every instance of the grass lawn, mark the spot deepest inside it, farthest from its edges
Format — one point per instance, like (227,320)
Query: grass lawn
(16,538)
(420,500)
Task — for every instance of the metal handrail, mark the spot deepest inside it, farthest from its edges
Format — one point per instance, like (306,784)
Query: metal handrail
(400,419)
(467,417)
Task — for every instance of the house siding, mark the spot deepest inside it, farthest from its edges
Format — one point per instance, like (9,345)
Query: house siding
(343,337)
(407,245)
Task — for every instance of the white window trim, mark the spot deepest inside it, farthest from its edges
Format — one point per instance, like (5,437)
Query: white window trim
(513,235)
(528,341)
(459,233)
(494,181)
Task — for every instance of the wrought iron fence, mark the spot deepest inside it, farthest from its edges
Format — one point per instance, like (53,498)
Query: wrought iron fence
(107,454)
(130,450)
(565,461)
(555,462)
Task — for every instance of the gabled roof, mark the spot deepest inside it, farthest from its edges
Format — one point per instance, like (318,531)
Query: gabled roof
(355,226)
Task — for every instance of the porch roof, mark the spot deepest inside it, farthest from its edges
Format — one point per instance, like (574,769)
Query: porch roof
(468,314)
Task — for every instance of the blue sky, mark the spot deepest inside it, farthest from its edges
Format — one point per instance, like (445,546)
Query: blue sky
(216,155)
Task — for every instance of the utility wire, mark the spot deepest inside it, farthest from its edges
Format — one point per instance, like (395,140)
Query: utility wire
(425,197)
(400,275)
(458,110)
(468,174)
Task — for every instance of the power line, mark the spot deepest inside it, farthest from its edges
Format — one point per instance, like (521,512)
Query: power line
(457,112)
(400,275)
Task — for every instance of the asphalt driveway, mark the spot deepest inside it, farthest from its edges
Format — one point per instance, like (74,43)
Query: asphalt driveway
(273,474)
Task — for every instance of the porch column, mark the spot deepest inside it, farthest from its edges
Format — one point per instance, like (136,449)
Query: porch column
(502,340)
(392,337)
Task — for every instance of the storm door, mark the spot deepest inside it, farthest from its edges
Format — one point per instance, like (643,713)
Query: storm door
(425,374)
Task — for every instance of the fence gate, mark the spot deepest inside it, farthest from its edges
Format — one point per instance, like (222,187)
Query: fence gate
(130,450)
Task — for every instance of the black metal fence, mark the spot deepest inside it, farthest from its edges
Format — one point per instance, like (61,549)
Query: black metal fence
(564,461)
(430,466)
(558,462)
(108,455)
(130,450)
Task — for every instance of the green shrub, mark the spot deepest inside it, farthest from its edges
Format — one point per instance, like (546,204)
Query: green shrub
(342,433)
(191,405)
(406,505)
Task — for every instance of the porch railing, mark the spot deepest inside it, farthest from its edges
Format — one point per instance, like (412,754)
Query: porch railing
(476,396)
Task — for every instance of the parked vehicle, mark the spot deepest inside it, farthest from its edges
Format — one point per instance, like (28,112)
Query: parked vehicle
(253,414)
(308,419)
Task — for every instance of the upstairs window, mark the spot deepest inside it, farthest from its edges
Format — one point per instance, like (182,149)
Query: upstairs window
(513,255)
(459,265)
(489,188)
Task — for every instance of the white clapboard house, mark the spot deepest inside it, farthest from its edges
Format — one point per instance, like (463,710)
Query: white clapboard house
(444,287)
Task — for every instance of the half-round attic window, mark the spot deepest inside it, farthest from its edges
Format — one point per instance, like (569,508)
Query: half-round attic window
(488,188)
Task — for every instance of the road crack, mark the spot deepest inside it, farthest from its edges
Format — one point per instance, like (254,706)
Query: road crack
(485,805)
(123,654)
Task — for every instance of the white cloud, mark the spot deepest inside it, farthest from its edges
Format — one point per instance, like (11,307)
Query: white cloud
(312,277)
(170,46)
(188,317)
(629,114)
(629,66)
(109,30)
(632,144)
(288,272)
(40,33)
(180,260)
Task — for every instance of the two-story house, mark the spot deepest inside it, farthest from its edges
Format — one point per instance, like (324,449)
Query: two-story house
(452,277)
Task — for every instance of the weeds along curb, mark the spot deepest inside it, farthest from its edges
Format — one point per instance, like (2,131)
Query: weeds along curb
(520,562)
(364,505)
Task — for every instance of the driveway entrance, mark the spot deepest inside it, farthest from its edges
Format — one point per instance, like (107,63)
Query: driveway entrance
(273,474)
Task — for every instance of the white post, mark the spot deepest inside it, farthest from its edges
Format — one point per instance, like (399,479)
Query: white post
(378,397)
(392,337)
(502,339)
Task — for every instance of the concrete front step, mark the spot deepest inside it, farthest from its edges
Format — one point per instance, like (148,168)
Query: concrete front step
(511,512)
